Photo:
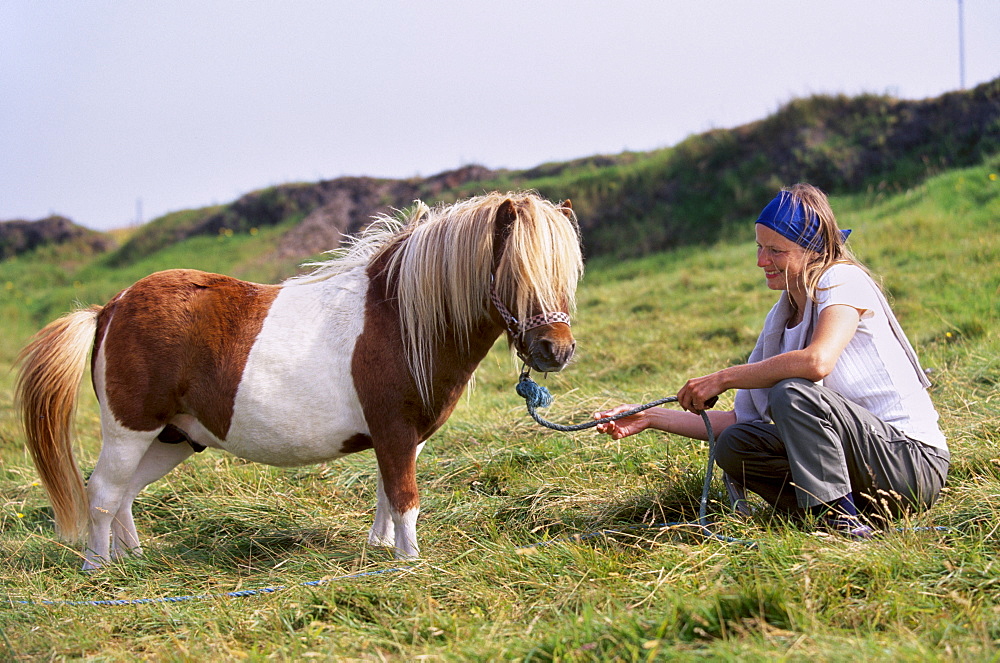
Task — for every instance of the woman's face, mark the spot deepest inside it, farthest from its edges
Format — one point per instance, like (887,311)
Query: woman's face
(782,260)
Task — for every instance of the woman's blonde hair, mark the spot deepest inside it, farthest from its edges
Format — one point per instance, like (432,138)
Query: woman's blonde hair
(834,249)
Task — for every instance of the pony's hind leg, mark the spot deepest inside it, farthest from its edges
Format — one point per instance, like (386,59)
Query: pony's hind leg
(121,454)
(158,460)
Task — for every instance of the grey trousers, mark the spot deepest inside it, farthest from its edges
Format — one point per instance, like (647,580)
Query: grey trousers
(822,447)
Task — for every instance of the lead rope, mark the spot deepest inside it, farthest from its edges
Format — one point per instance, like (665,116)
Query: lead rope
(536,396)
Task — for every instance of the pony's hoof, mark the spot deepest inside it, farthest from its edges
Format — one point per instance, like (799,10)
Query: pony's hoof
(124,553)
(377,541)
(405,556)
(406,552)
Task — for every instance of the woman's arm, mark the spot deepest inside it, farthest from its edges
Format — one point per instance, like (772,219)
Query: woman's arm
(678,422)
(834,329)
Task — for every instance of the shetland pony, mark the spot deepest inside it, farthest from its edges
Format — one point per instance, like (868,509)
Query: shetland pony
(369,351)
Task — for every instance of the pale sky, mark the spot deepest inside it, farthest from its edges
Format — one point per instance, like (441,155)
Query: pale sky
(182,104)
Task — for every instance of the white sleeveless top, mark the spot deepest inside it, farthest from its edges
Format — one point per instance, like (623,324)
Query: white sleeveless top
(878,369)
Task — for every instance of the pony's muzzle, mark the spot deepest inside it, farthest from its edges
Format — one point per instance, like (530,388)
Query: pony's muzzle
(550,353)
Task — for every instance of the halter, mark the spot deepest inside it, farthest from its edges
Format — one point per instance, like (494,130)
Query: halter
(517,328)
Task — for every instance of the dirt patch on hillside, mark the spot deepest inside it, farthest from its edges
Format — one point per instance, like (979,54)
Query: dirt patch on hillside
(346,205)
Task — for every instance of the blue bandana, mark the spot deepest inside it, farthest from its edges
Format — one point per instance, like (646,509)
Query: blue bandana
(794,222)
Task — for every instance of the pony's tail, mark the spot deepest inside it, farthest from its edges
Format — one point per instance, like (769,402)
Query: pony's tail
(52,367)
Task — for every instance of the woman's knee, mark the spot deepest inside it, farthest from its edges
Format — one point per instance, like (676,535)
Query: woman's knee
(788,394)
(735,444)
(725,450)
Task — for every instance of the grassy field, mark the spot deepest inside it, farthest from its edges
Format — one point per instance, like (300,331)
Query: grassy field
(493,482)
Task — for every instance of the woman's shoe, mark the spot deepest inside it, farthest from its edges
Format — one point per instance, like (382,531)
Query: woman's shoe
(849,526)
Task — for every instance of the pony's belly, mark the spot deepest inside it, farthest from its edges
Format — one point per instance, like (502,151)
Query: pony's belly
(296,403)
(292,445)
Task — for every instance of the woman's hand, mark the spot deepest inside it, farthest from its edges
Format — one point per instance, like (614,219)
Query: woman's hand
(700,394)
(622,427)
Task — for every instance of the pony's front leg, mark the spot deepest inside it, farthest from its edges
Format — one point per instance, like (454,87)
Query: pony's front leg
(383,531)
(120,456)
(398,503)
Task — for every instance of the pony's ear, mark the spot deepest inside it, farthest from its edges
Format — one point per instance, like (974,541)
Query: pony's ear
(566,207)
(506,215)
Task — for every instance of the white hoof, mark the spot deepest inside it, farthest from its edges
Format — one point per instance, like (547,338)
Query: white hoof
(381,540)
(93,563)
(406,554)
(124,553)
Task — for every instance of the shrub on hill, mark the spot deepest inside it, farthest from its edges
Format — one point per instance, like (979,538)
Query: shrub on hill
(18,237)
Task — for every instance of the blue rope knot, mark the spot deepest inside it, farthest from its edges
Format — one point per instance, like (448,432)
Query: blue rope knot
(534,394)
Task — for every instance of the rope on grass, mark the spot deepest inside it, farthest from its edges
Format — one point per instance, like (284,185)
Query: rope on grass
(224,595)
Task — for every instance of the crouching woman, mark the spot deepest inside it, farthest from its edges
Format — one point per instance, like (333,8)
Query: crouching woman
(832,414)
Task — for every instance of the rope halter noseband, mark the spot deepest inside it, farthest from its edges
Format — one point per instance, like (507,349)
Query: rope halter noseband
(518,328)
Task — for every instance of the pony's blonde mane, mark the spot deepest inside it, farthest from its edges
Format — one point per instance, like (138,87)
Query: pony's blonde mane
(441,260)
(356,251)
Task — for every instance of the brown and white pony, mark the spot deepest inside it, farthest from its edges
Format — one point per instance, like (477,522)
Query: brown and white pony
(370,351)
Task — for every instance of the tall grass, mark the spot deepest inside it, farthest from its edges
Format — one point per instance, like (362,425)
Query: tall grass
(493,482)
